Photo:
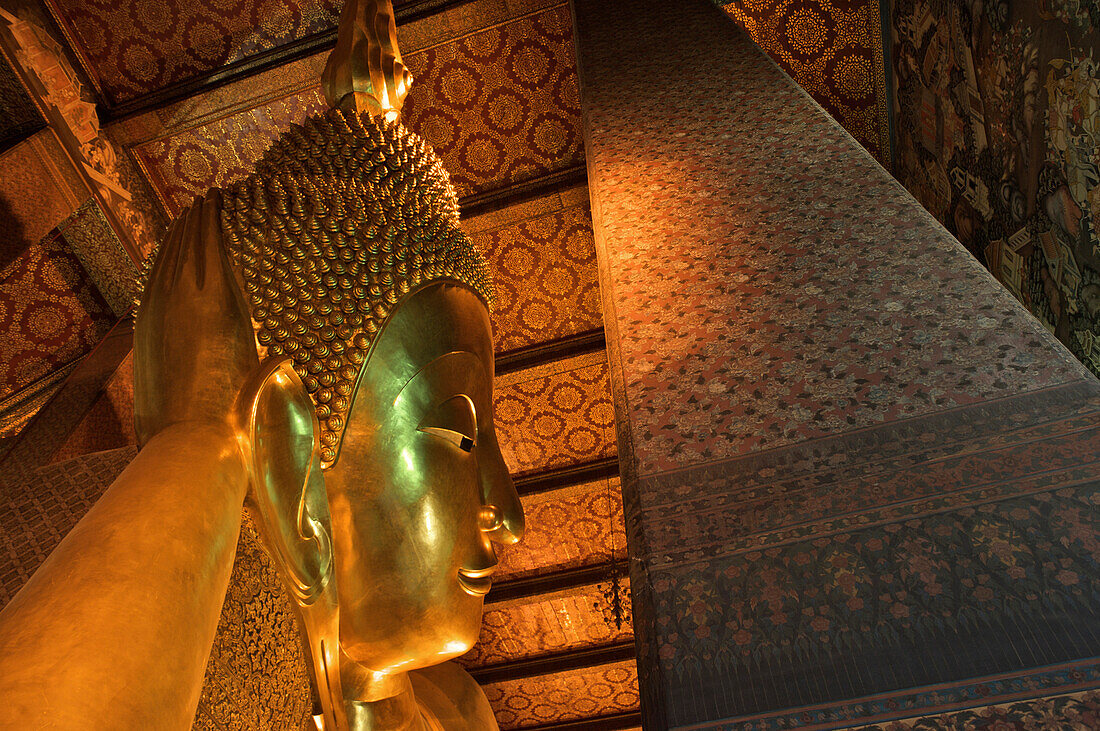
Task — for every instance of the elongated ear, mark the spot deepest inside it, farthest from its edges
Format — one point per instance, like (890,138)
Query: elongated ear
(287,495)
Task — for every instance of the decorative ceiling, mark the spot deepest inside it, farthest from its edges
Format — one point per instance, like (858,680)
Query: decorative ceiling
(543,260)
(491,129)
(135,47)
(833,49)
(555,415)
(568,528)
(573,695)
(50,313)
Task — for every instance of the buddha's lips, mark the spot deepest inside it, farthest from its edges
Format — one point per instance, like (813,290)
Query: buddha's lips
(476,582)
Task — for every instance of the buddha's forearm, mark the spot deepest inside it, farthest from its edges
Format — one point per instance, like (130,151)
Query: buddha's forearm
(113,631)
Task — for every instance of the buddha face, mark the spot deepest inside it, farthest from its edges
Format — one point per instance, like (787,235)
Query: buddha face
(420,493)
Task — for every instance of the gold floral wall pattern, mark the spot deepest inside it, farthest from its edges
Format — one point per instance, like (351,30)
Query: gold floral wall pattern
(567,696)
(511,125)
(567,528)
(522,629)
(833,49)
(555,415)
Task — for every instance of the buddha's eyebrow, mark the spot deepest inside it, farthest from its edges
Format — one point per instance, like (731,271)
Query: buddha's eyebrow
(430,365)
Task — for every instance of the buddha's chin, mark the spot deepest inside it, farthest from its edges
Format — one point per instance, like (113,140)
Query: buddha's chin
(419,652)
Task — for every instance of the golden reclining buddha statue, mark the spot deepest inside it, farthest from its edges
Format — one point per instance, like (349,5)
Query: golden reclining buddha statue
(313,342)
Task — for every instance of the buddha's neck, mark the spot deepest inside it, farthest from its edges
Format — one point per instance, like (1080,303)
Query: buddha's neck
(379,702)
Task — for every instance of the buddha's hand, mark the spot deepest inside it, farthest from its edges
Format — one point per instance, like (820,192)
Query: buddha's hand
(193,342)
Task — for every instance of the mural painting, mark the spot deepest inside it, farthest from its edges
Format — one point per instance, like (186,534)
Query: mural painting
(997,110)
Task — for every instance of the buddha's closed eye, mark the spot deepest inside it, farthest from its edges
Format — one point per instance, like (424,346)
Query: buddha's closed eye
(454,420)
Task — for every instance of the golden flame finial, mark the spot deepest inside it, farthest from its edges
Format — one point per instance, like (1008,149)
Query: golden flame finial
(364,72)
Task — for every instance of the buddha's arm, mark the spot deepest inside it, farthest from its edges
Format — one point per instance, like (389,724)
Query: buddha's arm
(113,631)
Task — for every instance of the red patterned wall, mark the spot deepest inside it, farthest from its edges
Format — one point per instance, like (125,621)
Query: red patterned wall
(50,313)
(133,47)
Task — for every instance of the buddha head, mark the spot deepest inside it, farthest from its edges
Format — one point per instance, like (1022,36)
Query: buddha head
(377,483)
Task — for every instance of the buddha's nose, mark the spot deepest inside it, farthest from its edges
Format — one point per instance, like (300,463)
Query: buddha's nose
(501,514)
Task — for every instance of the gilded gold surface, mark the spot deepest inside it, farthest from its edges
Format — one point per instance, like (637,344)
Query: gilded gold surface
(364,72)
(388,554)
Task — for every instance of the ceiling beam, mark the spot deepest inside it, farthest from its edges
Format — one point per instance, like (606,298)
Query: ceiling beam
(542,353)
(614,722)
(567,580)
(405,12)
(513,193)
(600,469)
(559,662)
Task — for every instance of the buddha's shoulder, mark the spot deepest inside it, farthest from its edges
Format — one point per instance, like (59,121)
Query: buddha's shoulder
(452,698)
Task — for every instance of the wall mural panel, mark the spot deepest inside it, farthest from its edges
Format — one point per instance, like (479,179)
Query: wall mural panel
(998,135)
(833,49)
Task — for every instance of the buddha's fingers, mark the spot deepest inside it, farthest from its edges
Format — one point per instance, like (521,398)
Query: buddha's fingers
(191,244)
(194,345)
(167,259)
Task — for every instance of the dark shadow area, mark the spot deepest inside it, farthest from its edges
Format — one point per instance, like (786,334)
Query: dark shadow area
(13,237)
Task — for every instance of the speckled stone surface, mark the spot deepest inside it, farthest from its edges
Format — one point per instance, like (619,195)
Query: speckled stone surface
(853,464)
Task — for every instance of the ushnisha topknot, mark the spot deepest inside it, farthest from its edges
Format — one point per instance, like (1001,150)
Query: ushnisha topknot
(342,217)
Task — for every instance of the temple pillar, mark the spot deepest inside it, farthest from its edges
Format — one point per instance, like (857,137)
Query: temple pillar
(860,479)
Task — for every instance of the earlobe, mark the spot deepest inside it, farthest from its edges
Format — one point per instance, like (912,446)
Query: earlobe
(287,493)
(289,504)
